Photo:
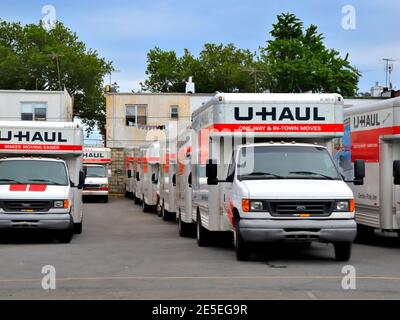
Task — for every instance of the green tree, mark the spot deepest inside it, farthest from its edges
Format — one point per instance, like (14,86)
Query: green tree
(218,68)
(34,58)
(296,60)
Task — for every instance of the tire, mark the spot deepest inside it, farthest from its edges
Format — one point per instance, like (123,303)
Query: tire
(241,247)
(202,234)
(145,206)
(364,233)
(65,236)
(78,228)
(105,199)
(136,200)
(165,214)
(127,194)
(185,229)
(342,251)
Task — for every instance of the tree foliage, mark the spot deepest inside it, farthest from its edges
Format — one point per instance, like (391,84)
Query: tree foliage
(218,67)
(294,60)
(33,58)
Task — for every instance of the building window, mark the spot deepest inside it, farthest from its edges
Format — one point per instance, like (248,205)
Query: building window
(174,112)
(33,111)
(136,115)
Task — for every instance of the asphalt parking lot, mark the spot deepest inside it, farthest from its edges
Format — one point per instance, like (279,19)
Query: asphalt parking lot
(124,253)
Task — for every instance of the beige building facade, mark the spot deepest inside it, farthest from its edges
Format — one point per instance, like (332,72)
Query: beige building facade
(134,119)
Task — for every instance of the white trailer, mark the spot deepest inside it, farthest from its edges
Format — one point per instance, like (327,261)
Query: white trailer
(96,163)
(270,174)
(372,133)
(150,167)
(41,176)
(186,224)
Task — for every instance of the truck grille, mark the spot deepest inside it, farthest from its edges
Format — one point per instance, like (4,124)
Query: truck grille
(25,205)
(290,208)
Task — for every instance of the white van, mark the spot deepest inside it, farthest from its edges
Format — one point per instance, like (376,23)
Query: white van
(372,133)
(270,173)
(96,163)
(149,167)
(41,177)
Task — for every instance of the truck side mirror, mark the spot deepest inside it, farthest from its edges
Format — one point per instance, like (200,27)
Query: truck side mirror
(137,176)
(190,180)
(82,178)
(109,173)
(153,178)
(129,173)
(212,172)
(396,172)
(359,172)
(174,180)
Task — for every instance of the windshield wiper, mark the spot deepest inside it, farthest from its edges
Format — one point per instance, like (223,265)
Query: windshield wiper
(46,181)
(259,175)
(313,173)
(11,180)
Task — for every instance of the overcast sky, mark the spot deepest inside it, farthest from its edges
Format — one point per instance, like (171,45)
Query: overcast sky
(123,31)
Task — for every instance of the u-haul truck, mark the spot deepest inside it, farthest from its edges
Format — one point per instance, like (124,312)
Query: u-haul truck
(130,164)
(372,133)
(149,167)
(41,176)
(95,166)
(270,174)
(186,224)
(167,180)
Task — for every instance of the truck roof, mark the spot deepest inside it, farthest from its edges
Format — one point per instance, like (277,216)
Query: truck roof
(314,98)
(30,159)
(379,105)
(40,137)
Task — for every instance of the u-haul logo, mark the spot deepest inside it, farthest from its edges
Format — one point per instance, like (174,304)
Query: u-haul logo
(32,136)
(273,114)
(93,155)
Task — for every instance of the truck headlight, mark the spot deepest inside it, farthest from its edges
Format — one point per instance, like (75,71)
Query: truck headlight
(61,204)
(344,206)
(252,205)
(256,205)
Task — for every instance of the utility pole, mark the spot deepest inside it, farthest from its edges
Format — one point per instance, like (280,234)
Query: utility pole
(388,72)
(254,71)
(56,56)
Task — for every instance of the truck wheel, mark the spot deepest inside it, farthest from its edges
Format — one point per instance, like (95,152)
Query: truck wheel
(342,251)
(241,247)
(185,229)
(145,206)
(165,214)
(203,235)
(78,228)
(105,199)
(136,200)
(65,236)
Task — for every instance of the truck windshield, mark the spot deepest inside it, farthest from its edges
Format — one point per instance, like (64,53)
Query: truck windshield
(286,162)
(95,171)
(33,172)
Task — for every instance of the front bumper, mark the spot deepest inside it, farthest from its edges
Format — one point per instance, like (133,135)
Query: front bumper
(262,230)
(94,193)
(35,221)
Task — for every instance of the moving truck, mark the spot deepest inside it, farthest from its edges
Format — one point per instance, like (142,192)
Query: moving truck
(186,224)
(130,181)
(167,180)
(150,166)
(270,174)
(97,172)
(41,177)
(372,133)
